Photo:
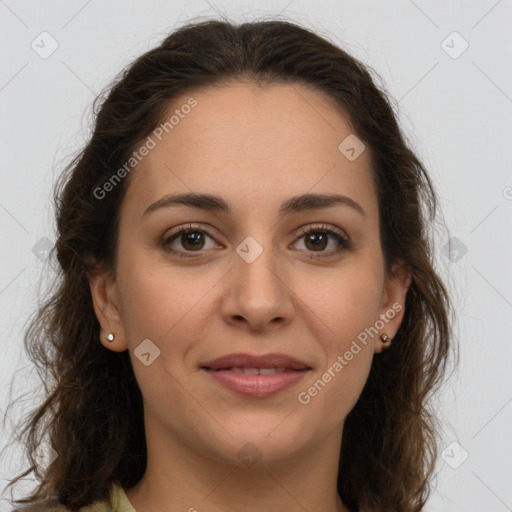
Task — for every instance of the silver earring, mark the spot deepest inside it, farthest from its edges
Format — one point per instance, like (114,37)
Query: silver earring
(386,341)
(110,337)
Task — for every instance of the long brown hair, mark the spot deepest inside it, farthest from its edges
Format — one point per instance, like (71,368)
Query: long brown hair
(93,415)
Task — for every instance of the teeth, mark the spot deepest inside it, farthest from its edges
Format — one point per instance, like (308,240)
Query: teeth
(256,371)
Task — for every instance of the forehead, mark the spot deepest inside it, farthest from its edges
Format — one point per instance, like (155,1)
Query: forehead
(243,141)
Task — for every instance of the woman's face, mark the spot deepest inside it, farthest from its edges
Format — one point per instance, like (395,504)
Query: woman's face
(248,279)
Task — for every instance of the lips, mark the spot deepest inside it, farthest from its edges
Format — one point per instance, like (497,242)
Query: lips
(278,362)
(256,376)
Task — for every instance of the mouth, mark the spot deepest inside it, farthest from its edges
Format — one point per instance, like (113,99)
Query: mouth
(256,376)
(242,370)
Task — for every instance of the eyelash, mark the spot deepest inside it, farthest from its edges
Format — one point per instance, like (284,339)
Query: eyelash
(337,235)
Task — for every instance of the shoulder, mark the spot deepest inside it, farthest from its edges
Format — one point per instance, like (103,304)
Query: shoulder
(58,507)
(55,506)
(118,502)
(49,506)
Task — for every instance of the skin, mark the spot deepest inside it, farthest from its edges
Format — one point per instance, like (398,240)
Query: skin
(255,147)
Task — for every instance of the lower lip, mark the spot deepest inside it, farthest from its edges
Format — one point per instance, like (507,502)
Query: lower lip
(257,385)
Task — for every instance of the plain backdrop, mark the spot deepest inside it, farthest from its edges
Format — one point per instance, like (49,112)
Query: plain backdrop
(448,67)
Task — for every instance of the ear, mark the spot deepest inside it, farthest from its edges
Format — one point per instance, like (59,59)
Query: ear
(106,306)
(393,302)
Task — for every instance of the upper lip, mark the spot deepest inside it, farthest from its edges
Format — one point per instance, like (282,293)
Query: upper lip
(254,361)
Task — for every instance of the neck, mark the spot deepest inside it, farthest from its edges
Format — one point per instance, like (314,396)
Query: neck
(178,477)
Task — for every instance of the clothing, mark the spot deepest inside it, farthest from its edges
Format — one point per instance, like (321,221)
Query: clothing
(118,503)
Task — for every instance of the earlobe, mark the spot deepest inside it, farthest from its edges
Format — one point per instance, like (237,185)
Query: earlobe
(106,306)
(393,305)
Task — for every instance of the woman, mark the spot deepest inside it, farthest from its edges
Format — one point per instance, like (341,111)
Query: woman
(248,317)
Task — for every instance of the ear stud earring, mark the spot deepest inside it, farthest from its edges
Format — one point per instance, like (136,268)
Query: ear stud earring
(386,341)
(110,337)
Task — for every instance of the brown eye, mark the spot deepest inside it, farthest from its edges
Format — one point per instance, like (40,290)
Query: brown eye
(316,241)
(192,241)
(187,239)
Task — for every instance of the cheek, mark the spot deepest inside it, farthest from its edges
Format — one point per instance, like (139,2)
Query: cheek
(333,393)
(342,311)
(340,323)
(343,303)
(158,300)
(167,306)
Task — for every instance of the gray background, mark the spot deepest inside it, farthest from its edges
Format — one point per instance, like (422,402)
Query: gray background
(455,108)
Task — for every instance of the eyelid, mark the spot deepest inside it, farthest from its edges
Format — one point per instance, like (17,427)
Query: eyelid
(343,240)
(190,226)
(185,228)
(333,231)
(319,227)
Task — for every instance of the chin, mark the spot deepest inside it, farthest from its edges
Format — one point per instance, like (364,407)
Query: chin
(264,439)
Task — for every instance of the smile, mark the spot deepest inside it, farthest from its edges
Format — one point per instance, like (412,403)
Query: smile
(257,382)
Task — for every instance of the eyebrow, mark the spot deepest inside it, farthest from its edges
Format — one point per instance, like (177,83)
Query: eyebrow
(215,203)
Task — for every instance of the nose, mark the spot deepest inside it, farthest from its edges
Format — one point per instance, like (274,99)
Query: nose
(258,294)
